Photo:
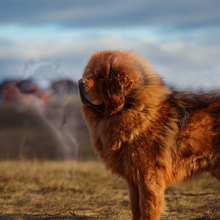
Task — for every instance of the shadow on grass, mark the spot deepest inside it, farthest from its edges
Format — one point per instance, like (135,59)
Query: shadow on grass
(44,217)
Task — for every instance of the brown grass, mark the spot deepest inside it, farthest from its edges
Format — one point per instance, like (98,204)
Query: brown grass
(85,190)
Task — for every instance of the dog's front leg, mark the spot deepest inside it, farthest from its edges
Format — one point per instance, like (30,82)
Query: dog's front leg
(151,200)
(134,199)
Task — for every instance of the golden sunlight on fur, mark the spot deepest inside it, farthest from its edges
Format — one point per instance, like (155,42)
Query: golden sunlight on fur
(145,132)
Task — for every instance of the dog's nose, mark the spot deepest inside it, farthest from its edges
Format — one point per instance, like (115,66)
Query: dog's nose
(82,82)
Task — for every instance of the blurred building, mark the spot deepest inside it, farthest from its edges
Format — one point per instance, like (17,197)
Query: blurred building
(4,86)
(42,124)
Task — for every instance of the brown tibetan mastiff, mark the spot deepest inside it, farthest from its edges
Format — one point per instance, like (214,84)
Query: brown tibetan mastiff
(145,132)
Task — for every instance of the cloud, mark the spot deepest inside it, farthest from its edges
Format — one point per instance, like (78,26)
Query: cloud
(96,13)
(181,63)
(180,38)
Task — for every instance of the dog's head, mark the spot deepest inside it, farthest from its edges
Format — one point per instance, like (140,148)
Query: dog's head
(111,79)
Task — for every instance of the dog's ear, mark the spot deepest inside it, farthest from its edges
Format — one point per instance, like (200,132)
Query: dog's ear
(126,82)
(119,72)
(118,81)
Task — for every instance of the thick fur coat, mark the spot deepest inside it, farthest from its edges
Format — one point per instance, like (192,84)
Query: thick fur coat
(145,132)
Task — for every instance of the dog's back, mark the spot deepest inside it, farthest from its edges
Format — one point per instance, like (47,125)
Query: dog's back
(198,141)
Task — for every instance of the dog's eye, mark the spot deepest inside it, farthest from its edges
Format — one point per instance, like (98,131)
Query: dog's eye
(99,76)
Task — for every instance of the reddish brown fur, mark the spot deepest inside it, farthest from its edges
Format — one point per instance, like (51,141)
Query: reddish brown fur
(145,132)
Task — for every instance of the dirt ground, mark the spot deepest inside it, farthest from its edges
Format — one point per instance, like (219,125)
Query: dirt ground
(86,190)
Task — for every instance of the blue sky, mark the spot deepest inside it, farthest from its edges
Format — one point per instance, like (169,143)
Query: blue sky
(181,39)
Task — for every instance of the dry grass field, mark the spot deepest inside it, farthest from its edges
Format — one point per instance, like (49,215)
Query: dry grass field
(85,190)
